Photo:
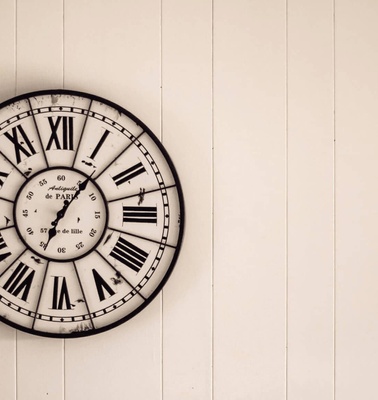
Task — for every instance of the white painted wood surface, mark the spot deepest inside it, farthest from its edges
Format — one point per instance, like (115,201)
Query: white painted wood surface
(356,118)
(310,194)
(249,200)
(187,96)
(268,110)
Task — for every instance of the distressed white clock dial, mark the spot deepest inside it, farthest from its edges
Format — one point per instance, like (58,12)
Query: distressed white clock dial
(91,216)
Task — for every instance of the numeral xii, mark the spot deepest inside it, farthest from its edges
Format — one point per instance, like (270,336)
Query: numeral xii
(62,132)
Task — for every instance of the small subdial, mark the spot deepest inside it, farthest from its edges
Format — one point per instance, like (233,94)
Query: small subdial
(60,214)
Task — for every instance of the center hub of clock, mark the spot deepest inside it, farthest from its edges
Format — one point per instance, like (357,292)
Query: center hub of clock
(60,214)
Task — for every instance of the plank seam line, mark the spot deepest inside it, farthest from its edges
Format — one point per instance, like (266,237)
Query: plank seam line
(212,368)
(334,195)
(286,196)
(161,139)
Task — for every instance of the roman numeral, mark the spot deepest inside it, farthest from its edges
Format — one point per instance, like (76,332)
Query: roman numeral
(129,174)
(15,285)
(99,144)
(66,133)
(3,246)
(129,254)
(61,298)
(101,285)
(19,147)
(140,214)
(2,175)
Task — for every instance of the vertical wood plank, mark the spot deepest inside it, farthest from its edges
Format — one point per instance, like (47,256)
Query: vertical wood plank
(40,368)
(356,199)
(8,49)
(8,81)
(39,66)
(187,134)
(310,200)
(8,362)
(39,45)
(112,49)
(122,362)
(249,200)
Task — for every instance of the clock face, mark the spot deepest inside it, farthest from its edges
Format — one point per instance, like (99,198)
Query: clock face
(91,214)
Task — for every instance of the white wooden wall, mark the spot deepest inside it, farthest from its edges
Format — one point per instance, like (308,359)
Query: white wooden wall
(269,110)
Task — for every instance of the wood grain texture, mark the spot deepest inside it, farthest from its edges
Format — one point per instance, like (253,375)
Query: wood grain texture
(310,200)
(187,135)
(249,200)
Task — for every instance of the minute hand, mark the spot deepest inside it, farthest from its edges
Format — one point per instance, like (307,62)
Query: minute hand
(61,213)
(82,187)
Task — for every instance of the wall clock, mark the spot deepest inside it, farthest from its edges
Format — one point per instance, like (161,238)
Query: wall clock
(91,216)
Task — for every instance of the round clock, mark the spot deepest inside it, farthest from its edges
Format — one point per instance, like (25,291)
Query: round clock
(91,214)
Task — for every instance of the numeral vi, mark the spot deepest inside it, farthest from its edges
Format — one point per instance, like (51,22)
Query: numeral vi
(61,298)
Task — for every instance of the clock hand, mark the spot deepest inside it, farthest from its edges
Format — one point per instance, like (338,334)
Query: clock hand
(82,186)
(61,213)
